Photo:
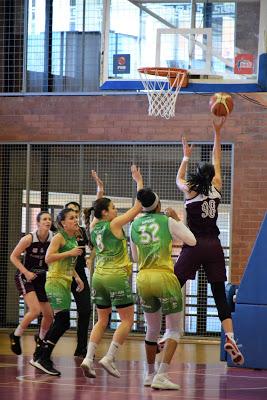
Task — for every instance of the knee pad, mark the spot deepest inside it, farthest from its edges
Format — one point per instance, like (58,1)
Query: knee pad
(152,335)
(170,334)
(153,323)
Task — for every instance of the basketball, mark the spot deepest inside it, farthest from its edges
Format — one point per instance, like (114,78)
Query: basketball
(221,104)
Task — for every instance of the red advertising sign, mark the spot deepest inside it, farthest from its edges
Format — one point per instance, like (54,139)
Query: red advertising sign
(244,64)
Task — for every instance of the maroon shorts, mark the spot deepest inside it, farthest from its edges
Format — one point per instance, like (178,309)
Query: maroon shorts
(37,286)
(208,252)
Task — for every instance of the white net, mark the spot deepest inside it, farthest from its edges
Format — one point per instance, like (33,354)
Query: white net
(162,90)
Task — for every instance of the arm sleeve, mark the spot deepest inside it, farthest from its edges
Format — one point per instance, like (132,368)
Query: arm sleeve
(133,247)
(179,231)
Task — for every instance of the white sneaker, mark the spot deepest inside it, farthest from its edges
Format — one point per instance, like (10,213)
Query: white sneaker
(231,347)
(88,368)
(161,381)
(32,362)
(109,365)
(148,379)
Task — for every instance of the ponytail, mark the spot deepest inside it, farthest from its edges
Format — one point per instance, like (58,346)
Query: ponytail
(201,181)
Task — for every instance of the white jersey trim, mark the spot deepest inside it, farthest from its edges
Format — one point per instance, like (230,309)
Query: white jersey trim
(35,237)
(213,194)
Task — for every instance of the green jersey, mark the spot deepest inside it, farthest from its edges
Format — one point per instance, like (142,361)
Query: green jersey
(111,253)
(153,240)
(65,267)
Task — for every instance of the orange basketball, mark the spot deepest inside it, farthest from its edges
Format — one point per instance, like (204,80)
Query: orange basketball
(221,104)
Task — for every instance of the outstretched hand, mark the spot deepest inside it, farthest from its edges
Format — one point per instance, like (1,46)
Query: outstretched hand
(187,149)
(99,183)
(136,174)
(218,125)
(170,212)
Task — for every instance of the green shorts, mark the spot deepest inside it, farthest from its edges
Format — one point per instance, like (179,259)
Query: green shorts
(159,289)
(59,293)
(111,290)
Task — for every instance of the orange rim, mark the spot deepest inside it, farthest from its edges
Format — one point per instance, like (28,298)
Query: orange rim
(161,71)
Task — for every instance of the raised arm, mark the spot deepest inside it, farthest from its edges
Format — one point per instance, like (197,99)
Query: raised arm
(118,222)
(180,179)
(16,255)
(99,185)
(216,154)
(137,177)
(99,194)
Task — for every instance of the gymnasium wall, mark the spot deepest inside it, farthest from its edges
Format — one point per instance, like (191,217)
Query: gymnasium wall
(124,118)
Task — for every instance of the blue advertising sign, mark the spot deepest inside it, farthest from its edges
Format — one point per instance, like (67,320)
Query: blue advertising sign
(121,63)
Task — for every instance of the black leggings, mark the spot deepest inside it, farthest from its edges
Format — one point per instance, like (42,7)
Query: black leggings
(60,325)
(83,304)
(218,291)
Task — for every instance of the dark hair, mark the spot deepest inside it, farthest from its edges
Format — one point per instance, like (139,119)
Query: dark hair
(146,197)
(99,205)
(87,212)
(62,216)
(201,181)
(74,203)
(38,216)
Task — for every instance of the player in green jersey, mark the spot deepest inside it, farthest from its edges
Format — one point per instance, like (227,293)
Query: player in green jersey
(151,237)
(61,259)
(110,282)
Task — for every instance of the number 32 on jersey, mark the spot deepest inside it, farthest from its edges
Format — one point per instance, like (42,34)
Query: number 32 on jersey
(148,233)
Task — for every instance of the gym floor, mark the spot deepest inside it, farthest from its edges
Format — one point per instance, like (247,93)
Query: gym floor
(196,368)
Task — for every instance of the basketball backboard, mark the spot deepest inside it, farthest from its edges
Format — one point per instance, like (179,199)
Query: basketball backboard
(217,42)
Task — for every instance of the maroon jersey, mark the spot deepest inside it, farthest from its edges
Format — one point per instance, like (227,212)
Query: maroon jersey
(202,213)
(34,261)
(34,257)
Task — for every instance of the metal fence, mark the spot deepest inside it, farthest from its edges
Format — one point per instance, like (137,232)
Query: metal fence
(38,177)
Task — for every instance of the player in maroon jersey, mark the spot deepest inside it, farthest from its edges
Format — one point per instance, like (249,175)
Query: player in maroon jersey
(202,198)
(30,280)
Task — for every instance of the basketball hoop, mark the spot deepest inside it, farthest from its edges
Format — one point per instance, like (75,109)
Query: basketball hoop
(162,91)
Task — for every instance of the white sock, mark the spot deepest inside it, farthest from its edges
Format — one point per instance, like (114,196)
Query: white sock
(151,368)
(113,350)
(42,333)
(91,349)
(230,335)
(19,331)
(163,368)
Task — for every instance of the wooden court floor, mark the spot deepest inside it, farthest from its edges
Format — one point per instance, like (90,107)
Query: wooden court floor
(196,368)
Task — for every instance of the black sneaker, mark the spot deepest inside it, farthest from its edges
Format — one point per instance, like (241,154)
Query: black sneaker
(38,348)
(46,366)
(15,343)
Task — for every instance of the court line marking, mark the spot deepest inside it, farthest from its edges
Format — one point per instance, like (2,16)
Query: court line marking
(191,370)
(22,379)
(225,373)
(6,365)
(149,392)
